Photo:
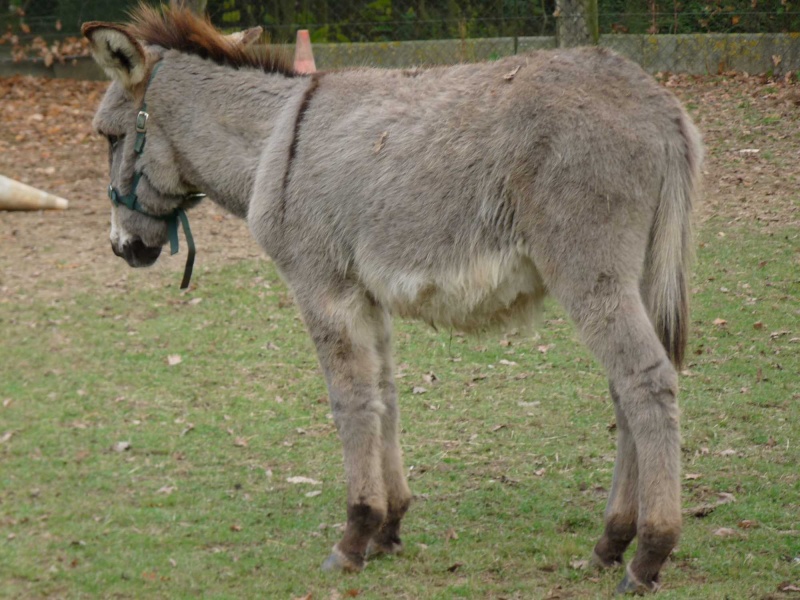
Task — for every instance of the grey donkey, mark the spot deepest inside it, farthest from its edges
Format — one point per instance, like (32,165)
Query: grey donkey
(457,195)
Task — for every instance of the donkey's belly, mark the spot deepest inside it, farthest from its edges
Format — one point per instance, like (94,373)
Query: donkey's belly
(486,292)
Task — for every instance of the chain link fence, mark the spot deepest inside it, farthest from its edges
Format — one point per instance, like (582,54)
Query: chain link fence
(668,34)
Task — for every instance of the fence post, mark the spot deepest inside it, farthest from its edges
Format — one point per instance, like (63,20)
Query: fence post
(576,23)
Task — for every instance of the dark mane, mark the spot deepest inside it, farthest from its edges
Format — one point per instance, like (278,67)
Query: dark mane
(182,30)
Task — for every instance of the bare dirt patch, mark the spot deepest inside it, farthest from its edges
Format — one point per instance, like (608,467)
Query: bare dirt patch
(751,127)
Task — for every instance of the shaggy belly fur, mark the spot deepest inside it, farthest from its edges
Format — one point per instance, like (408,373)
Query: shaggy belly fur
(488,291)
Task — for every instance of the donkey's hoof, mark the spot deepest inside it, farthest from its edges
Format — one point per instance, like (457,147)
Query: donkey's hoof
(602,564)
(381,547)
(339,561)
(631,585)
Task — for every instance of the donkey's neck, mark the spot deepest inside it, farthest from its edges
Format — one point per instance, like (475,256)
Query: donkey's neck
(218,120)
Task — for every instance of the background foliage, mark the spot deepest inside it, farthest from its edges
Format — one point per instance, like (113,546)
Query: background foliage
(397,20)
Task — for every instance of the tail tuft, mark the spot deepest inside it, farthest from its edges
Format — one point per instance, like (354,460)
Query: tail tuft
(669,257)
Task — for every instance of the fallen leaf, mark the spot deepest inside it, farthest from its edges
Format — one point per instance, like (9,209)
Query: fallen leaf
(720,322)
(540,472)
(174,359)
(430,378)
(313,494)
(724,532)
(173,562)
(352,593)
(728,452)
(6,436)
(380,143)
(121,446)
(166,489)
(510,75)
(579,565)
(236,527)
(450,534)
(691,476)
(301,479)
(240,442)
(508,363)
(758,325)
(544,349)
(747,524)
(418,390)
(702,510)
(455,567)
(788,587)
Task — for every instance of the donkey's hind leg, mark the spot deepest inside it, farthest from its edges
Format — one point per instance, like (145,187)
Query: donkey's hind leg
(622,507)
(614,323)
(342,324)
(387,540)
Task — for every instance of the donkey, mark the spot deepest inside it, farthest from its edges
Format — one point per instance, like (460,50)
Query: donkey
(457,195)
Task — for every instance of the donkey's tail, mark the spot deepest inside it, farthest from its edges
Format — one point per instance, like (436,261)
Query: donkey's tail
(669,253)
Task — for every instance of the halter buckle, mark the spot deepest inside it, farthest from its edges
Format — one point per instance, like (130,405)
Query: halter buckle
(141,121)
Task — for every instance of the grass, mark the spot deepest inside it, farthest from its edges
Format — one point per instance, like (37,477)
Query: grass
(510,463)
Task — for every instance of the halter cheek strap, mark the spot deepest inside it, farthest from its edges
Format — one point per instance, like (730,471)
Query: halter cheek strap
(131,200)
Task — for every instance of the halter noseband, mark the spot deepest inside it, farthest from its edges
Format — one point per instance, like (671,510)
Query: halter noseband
(131,201)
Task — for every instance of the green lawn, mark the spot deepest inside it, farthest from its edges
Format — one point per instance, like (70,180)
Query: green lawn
(125,476)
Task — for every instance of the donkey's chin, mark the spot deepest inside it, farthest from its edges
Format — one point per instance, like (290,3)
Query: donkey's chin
(137,254)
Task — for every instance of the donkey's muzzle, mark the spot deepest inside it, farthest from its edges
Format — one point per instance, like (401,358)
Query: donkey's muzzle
(137,254)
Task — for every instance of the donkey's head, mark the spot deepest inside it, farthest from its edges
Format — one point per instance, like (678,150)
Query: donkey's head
(148,191)
(146,188)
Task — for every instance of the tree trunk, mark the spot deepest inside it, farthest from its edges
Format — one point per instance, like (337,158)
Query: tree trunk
(576,23)
(197,6)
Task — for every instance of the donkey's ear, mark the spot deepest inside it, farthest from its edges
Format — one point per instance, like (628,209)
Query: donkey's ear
(247,37)
(117,52)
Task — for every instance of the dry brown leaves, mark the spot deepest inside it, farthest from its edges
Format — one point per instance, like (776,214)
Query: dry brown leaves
(751,127)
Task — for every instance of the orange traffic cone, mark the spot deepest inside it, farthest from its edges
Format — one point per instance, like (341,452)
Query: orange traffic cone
(303,56)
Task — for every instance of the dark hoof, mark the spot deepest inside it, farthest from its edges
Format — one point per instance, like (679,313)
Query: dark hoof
(599,563)
(631,585)
(376,548)
(339,561)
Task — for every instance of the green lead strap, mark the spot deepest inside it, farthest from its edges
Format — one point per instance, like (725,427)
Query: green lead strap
(172,234)
(187,271)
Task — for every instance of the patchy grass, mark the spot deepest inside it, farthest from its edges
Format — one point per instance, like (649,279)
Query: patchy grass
(510,449)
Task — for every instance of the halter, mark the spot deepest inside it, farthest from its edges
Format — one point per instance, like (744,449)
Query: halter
(131,201)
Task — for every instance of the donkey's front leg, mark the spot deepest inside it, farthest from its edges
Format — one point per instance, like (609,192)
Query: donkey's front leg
(343,332)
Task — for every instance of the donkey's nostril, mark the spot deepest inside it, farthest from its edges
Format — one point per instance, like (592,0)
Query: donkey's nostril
(115,251)
(138,254)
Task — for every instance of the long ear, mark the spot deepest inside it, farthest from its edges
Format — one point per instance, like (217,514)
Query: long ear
(117,52)
(247,37)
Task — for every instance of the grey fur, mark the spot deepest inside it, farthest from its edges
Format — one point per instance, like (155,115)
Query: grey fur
(460,196)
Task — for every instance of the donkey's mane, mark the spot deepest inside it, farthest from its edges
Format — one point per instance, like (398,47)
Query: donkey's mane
(182,30)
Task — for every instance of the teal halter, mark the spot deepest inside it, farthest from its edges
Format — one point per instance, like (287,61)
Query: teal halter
(131,201)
